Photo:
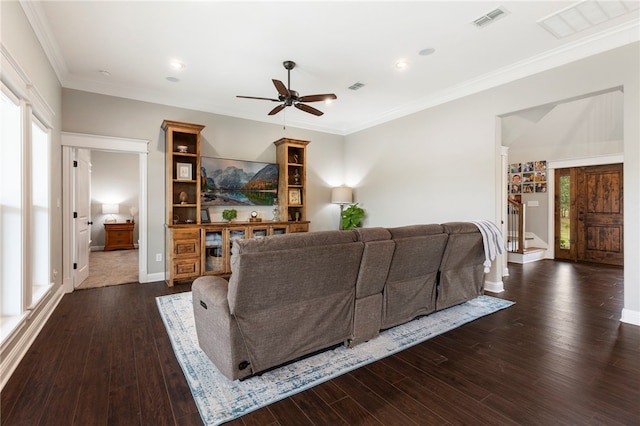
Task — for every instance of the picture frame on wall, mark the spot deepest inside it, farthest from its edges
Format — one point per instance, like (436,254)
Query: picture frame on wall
(229,182)
(294,197)
(204,216)
(184,171)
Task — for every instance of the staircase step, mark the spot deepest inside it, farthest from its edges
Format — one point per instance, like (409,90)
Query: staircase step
(533,250)
(531,254)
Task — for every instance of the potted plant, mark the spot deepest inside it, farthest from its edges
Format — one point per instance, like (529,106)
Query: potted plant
(229,214)
(351,217)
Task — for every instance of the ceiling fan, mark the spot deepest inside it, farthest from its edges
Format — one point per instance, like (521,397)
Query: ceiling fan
(288,97)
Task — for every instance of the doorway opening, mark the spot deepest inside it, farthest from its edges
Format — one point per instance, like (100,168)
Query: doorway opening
(71,142)
(112,203)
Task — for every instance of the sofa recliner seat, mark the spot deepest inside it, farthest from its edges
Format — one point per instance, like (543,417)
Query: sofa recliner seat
(287,297)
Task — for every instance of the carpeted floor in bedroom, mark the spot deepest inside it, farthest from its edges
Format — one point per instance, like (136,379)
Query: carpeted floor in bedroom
(107,268)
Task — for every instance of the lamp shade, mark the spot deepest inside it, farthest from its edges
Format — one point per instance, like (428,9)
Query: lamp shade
(341,195)
(110,208)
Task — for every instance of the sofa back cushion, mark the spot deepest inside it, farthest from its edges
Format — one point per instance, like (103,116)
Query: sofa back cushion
(376,259)
(461,269)
(411,282)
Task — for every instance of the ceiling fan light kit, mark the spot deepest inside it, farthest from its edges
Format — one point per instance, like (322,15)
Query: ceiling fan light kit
(288,97)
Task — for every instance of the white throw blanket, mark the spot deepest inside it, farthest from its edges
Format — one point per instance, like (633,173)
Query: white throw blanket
(492,240)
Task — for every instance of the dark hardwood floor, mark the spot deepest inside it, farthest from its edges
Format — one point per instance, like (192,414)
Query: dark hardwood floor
(558,356)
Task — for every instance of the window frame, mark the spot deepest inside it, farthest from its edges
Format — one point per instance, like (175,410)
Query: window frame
(33,111)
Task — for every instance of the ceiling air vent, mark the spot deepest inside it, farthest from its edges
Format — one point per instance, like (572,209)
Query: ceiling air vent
(356,86)
(488,18)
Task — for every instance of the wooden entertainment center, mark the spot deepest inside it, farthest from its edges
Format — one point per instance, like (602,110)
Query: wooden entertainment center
(194,248)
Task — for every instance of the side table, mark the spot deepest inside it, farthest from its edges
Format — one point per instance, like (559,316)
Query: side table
(118,236)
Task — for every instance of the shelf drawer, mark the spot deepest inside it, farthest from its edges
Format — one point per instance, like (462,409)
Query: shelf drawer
(186,248)
(120,237)
(186,268)
(298,227)
(186,234)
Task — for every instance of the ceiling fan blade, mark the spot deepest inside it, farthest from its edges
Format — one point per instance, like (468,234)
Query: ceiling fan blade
(281,88)
(255,97)
(307,108)
(276,110)
(317,98)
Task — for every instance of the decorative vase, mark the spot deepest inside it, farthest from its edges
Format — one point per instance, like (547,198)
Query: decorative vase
(183,197)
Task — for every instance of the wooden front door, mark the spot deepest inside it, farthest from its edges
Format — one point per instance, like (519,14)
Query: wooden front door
(600,214)
(589,214)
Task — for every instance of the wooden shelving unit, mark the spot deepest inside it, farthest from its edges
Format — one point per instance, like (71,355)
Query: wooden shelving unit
(194,249)
(291,156)
(182,200)
(183,171)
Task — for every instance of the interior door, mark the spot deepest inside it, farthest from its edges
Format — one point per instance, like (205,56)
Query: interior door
(599,197)
(82,180)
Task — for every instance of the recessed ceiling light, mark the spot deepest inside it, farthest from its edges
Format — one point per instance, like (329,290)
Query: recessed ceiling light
(177,65)
(402,65)
(426,52)
(105,73)
(173,79)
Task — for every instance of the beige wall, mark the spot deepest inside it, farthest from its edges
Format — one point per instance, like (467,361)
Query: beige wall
(440,164)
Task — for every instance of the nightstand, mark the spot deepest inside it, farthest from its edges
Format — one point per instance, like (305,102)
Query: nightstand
(118,236)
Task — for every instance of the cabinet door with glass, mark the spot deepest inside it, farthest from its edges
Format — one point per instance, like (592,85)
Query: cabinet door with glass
(278,230)
(214,249)
(259,231)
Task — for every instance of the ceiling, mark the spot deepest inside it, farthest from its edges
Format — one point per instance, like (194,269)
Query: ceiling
(234,48)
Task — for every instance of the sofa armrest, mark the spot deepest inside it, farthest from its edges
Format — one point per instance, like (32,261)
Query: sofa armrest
(214,290)
(218,333)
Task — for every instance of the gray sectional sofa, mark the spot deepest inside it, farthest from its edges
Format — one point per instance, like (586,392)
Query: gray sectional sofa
(292,295)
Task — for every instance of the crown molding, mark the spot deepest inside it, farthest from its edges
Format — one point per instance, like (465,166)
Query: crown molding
(38,20)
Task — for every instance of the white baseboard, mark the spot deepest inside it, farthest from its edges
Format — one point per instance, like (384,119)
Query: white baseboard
(630,317)
(158,276)
(494,287)
(19,344)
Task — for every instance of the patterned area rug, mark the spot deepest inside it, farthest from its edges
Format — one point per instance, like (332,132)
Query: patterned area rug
(219,400)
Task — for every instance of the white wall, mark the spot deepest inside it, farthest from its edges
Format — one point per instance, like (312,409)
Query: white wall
(114,180)
(440,164)
(223,136)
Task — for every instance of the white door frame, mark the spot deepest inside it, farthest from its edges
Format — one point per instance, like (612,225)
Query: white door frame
(72,141)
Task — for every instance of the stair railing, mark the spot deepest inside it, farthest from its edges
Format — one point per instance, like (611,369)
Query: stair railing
(515,226)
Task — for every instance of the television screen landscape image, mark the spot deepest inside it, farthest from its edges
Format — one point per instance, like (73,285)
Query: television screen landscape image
(227,182)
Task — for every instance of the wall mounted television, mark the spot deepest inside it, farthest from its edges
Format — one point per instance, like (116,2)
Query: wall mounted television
(227,182)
